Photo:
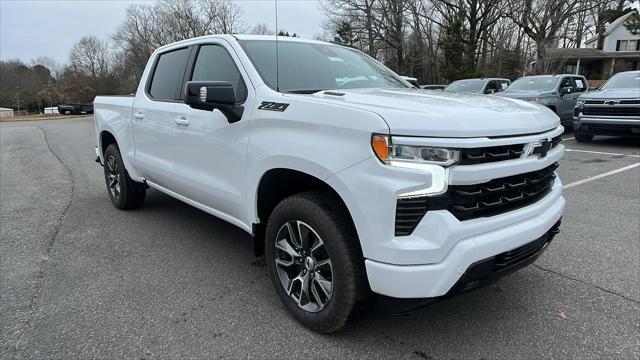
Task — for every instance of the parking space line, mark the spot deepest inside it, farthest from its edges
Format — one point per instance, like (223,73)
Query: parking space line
(569,138)
(601,153)
(592,178)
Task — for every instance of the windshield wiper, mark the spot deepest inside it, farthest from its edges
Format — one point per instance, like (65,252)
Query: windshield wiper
(303,91)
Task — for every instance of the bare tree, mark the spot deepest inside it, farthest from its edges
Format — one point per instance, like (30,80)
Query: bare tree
(149,26)
(50,63)
(262,29)
(90,56)
(542,20)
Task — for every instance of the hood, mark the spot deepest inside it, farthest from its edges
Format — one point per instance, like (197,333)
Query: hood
(416,112)
(524,94)
(612,94)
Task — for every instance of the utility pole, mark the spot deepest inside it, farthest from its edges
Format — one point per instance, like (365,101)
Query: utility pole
(18,99)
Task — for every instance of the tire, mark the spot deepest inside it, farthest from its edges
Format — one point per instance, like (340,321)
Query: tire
(124,193)
(336,290)
(582,137)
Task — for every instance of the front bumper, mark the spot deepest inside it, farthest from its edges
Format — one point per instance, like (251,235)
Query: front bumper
(607,125)
(485,239)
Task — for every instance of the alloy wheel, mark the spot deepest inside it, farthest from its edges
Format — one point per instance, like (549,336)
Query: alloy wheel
(113,177)
(303,265)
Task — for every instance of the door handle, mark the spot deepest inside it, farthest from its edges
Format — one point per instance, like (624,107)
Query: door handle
(182,121)
(138,116)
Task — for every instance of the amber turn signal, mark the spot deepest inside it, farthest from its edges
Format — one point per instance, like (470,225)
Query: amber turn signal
(380,145)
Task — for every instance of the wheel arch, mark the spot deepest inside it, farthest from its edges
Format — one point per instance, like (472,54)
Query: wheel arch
(106,139)
(277,184)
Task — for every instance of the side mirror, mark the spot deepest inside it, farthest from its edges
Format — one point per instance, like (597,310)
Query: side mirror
(411,80)
(210,95)
(565,90)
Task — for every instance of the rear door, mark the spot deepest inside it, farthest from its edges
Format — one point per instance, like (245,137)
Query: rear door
(209,152)
(153,117)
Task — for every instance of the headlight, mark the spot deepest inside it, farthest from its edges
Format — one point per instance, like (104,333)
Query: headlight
(411,156)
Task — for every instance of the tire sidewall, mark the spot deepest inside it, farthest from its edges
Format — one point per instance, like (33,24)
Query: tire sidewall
(343,298)
(112,150)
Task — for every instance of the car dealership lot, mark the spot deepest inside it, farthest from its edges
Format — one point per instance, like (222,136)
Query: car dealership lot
(80,279)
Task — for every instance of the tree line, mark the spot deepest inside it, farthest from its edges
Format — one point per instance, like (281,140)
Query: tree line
(439,41)
(436,41)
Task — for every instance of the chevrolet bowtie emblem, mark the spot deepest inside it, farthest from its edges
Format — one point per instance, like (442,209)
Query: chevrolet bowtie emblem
(540,148)
(612,102)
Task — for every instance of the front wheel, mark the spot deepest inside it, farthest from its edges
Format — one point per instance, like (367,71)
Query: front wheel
(314,261)
(124,192)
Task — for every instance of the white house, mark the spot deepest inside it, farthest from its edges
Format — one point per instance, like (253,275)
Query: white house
(617,37)
(620,52)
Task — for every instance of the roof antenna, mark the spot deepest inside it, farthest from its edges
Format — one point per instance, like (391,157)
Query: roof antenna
(277,58)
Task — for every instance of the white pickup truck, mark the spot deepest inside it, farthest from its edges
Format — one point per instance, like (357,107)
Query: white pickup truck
(351,181)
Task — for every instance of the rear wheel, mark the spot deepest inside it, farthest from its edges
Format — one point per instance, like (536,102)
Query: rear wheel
(582,137)
(314,261)
(124,192)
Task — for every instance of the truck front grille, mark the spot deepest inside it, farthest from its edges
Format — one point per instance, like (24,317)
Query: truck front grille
(496,196)
(468,202)
(622,102)
(611,110)
(496,153)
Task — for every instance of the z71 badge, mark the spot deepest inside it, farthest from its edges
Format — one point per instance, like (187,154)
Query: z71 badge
(273,106)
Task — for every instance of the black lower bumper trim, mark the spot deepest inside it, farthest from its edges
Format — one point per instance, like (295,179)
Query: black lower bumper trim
(483,272)
(486,271)
(610,129)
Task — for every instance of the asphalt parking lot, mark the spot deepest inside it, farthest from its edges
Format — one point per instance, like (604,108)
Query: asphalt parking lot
(80,279)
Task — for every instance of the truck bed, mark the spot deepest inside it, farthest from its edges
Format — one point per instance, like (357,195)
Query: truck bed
(112,108)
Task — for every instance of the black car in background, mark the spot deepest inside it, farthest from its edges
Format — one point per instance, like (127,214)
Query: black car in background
(75,109)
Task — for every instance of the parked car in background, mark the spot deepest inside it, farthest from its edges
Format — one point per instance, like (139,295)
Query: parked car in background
(479,86)
(557,92)
(75,109)
(433,87)
(613,109)
(350,180)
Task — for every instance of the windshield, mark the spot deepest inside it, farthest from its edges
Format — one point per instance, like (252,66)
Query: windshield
(541,83)
(466,86)
(623,81)
(309,67)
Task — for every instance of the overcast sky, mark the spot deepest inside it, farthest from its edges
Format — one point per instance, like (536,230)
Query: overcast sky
(29,29)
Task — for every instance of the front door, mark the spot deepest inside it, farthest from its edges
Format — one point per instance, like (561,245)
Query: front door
(568,101)
(210,152)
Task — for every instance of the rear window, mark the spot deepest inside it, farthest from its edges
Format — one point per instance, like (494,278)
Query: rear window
(167,76)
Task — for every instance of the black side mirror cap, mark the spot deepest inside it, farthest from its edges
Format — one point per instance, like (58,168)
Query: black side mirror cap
(565,90)
(210,95)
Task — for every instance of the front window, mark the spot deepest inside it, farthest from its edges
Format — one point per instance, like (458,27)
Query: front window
(310,67)
(628,45)
(466,86)
(538,83)
(623,81)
